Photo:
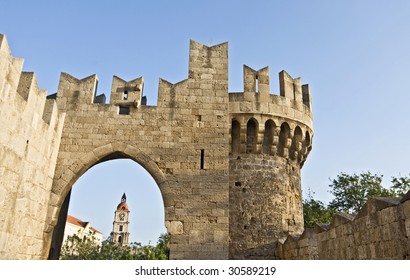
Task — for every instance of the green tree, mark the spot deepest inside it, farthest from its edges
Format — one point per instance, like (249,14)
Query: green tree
(158,252)
(162,248)
(316,212)
(76,248)
(352,191)
(400,185)
(111,251)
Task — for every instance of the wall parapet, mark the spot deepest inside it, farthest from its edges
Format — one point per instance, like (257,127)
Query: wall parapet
(264,123)
(29,142)
(299,247)
(380,230)
(293,102)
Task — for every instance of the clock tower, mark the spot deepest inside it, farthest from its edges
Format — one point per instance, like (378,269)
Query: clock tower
(120,234)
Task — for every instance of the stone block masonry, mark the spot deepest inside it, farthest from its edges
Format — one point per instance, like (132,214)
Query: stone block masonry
(380,231)
(227,164)
(31,129)
(167,140)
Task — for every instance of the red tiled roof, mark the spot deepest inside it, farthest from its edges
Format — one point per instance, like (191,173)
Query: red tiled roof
(121,205)
(77,222)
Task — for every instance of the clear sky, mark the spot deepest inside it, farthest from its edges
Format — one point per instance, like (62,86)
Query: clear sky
(354,54)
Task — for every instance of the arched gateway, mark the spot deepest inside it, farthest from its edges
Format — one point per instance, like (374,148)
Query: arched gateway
(220,201)
(63,184)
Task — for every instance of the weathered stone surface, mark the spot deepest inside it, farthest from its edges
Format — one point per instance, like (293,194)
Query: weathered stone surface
(175,227)
(380,231)
(227,164)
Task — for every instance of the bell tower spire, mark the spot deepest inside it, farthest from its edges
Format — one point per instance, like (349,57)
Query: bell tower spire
(120,234)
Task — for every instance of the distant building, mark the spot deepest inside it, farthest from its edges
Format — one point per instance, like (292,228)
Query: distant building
(120,234)
(75,226)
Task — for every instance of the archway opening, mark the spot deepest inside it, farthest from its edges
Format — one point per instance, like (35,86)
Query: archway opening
(98,193)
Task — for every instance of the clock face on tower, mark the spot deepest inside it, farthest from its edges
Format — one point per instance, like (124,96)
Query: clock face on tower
(122,215)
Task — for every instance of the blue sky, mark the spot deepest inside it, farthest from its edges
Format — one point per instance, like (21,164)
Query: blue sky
(354,54)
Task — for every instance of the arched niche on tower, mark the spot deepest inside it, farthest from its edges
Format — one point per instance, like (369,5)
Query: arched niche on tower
(296,146)
(283,139)
(235,136)
(268,137)
(251,135)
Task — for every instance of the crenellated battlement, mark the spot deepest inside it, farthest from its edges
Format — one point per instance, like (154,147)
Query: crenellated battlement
(257,89)
(227,164)
(167,93)
(19,91)
(125,93)
(263,123)
(293,102)
(73,93)
(31,129)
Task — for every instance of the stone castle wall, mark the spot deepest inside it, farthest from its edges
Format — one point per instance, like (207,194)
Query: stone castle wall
(227,164)
(381,230)
(183,142)
(30,135)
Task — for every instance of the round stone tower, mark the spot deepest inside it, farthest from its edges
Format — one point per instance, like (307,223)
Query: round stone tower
(271,137)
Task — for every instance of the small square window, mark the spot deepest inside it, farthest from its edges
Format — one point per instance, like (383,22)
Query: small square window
(125,96)
(124,110)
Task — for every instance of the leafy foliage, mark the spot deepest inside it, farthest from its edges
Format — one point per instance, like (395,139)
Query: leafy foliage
(162,248)
(352,191)
(350,194)
(76,248)
(316,212)
(401,185)
(158,252)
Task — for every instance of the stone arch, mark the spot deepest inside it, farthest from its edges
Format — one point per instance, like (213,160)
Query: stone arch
(251,135)
(268,136)
(235,136)
(296,143)
(119,150)
(283,139)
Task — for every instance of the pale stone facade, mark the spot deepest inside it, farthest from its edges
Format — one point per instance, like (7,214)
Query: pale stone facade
(227,164)
(75,226)
(30,134)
